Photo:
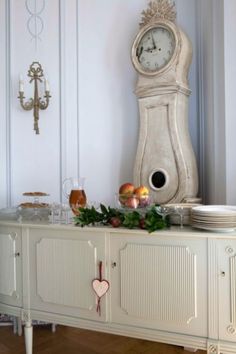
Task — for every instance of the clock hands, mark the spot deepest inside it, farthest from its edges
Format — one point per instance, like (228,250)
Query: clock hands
(153,42)
(154,47)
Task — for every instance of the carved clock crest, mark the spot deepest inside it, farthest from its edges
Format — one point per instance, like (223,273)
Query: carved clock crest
(162,54)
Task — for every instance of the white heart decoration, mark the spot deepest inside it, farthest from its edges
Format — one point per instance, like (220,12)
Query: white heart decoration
(100,287)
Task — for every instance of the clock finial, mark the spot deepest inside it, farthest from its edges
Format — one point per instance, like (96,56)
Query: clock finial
(159,9)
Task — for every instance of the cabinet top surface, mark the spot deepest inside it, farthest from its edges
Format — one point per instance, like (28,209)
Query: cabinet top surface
(173,231)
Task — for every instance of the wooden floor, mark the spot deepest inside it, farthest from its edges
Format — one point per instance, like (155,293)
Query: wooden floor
(68,340)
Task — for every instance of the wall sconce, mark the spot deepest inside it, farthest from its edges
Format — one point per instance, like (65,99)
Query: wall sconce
(35,73)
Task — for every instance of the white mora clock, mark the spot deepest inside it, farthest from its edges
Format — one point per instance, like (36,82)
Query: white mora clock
(162,54)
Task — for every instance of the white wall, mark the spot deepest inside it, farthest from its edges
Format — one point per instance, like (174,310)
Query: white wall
(230,115)
(108,115)
(29,162)
(91,125)
(217,32)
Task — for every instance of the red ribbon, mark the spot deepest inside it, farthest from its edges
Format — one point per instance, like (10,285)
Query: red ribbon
(100,279)
(98,298)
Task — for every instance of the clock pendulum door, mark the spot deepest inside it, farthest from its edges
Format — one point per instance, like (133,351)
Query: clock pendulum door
(165,160)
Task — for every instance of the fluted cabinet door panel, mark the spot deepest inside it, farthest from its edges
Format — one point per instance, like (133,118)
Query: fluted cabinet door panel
(159,282)
(7,264)
(10,266)
(64,267)
(227,289)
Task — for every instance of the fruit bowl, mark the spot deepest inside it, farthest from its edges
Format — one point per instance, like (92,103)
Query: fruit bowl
(132,201)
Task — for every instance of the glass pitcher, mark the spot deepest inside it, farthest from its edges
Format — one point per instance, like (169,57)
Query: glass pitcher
(73,189)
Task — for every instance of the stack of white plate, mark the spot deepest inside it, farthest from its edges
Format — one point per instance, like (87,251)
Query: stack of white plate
(219,218)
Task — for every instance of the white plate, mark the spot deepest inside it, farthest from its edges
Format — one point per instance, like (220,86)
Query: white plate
(214,218)
(214,222)
(8,211)
(213,229)
(214,210)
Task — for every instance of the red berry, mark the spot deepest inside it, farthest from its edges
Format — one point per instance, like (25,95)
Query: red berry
(142,224)
(115,221)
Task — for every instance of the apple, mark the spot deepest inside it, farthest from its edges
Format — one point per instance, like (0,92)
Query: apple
(125,191)
(123,198)
(132,202)
(141,191)
(144,200)
(126,188)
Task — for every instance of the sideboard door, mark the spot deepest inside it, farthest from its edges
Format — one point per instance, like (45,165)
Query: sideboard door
(227,289)
(63,264)
(159,282)
(10,266)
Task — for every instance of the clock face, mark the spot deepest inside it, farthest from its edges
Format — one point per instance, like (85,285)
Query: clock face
(155,49)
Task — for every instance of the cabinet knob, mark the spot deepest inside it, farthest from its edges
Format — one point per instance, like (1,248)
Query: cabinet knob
(113,264)
(222,273)
(17,254)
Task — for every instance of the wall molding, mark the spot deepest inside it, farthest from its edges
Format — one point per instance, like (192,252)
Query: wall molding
(201,137)
(62,123)
(212,157)
(78,98)
(8,104)
(35,17)
(69,144)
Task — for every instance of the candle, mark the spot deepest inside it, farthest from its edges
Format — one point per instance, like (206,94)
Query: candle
(21,84)
(46,83)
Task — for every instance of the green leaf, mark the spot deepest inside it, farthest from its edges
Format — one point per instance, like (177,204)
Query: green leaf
(129,219)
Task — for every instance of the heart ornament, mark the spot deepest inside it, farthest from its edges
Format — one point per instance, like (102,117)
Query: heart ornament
(100,287)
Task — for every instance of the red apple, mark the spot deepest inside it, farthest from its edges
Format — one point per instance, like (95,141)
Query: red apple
(123,198)
(141,190)
(126,188)
(144,200)
(132,202)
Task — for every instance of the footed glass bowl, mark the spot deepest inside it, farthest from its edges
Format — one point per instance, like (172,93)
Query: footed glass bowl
(132,201)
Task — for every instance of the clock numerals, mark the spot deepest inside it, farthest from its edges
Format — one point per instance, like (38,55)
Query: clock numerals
(156,48)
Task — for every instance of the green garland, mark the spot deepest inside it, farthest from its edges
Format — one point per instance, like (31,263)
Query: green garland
(150,220)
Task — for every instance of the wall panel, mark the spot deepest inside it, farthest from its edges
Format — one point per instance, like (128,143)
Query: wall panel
(41,31)
(4,103)
(91,125)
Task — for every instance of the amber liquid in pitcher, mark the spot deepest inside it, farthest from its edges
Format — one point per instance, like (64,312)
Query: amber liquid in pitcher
(77,200)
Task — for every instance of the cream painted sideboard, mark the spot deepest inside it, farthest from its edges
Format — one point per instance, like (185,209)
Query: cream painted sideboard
(174,286)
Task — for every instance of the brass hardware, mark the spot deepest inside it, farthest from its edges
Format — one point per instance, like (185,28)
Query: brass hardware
(35,72)
(113,264)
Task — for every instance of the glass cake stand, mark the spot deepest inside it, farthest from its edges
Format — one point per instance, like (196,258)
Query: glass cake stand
(35,210)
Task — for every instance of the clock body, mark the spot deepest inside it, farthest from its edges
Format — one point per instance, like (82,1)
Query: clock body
(165,161)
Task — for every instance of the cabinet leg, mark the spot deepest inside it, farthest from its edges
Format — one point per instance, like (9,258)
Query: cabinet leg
(28,337)
(192,350)
(14,325)
(19,326)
